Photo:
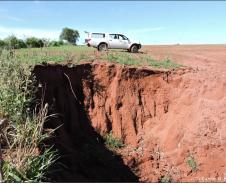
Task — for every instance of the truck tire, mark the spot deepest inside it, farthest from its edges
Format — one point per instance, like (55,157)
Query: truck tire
(102,47)
(134,48)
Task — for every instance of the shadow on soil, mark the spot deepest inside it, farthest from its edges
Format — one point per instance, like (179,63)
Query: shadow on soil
(83,155)
(125,51)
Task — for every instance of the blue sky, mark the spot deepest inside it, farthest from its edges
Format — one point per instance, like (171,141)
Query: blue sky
(151,22)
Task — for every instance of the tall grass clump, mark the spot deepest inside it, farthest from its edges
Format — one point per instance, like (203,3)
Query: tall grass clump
(22,137)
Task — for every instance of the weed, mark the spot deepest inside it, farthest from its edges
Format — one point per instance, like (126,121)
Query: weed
(192,163)
(33,169)
(112,142)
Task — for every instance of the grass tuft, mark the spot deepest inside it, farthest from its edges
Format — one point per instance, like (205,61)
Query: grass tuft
(192,163)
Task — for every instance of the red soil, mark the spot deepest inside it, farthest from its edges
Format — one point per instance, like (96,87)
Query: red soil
(195,121)
(163,117)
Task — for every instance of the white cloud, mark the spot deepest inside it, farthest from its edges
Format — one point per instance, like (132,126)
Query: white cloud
(28,32)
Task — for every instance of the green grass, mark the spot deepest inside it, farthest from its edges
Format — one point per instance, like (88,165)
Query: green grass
(124,59)
(55,54)
(166,63)
(77,54)
(33,170)
(140,60)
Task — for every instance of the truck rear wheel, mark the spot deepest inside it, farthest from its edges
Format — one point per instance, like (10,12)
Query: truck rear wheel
(134,48)
(102,47)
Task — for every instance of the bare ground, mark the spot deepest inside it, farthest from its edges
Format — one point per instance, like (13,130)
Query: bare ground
(196,120)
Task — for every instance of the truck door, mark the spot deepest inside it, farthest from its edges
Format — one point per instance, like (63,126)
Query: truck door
(114,41)
(124,42)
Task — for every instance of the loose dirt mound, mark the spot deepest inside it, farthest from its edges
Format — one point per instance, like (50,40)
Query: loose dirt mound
(165,118)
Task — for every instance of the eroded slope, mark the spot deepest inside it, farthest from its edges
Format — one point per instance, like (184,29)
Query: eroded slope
(163,117)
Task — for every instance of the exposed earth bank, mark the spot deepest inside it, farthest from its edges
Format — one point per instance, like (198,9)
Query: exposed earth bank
(165,118)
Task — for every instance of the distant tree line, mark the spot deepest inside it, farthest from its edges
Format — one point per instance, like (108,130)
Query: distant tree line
(67,36)
(32,42)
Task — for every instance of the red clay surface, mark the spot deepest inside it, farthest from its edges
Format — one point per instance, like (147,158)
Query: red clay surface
(163,118)
(196,120)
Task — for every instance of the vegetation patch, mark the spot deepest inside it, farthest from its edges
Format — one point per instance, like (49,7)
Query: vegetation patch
(113,142)
(76,54)
(23,135)
(55,54)
(136,60)
(166,63)
(192,163)
(165,179)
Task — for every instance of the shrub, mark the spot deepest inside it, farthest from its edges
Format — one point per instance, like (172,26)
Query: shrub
(2,44)
(21,44)
(12,42)
(56,43)
(33,42)
(112,142)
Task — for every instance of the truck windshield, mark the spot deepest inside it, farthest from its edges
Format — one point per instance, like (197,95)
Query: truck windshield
(124,37)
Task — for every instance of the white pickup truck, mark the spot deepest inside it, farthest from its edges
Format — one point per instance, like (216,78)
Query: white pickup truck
(103,41)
